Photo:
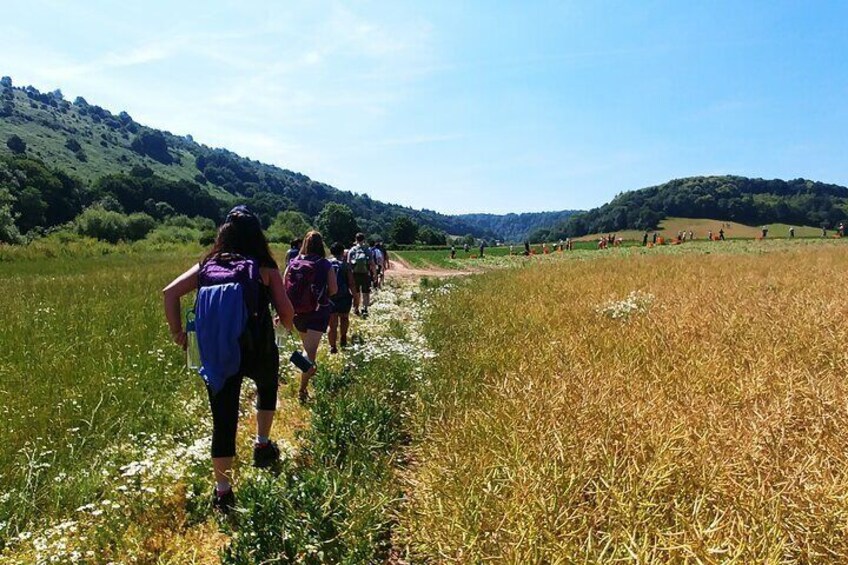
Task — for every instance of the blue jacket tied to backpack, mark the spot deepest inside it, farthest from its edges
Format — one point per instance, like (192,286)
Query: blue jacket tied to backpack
(221,316)
(227,293)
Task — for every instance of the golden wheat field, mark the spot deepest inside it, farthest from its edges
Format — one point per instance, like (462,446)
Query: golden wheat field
(673,407)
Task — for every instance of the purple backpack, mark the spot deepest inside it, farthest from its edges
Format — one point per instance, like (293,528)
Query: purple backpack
(226,307)
(303,287)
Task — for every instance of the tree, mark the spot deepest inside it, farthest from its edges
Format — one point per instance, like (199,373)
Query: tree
(404,230)
(288,225)
(16,145)
(8,230)
(336,222)
(154,145)
(6,82)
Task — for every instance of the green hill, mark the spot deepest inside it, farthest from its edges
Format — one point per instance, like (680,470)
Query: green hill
(752,202)
(517,227)
(107,155)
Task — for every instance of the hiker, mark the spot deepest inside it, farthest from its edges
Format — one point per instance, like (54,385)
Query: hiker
(841,229)
(765,231)
(526,248)
(309,287)
(569,245)
(645,240)
(824,231)
(482,247)
(362,262)
(791,232)
(721,234)
(387,264)
(710,235)
(294,251)
(342,301)
(654,240)
(691,235)
(465,248)
(545,249)
(378,266)
(453,252)
(238,271)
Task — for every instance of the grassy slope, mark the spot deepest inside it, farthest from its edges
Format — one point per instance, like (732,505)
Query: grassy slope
(700,226)
(49,129)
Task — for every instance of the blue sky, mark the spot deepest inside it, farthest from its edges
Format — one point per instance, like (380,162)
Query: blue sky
(465,106)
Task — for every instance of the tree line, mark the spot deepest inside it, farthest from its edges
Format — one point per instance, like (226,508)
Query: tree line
(37,200)
(730,198)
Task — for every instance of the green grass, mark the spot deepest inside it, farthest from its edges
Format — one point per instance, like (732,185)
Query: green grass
(86,365)
(440,258)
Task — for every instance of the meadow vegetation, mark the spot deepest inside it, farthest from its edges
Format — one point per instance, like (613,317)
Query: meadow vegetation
(684,404)
(670,404)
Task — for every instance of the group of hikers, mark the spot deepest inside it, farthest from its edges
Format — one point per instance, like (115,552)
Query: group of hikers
(238,282)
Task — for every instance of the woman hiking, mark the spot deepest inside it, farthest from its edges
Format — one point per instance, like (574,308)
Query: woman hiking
(342,301)
(236,283)
(309,287)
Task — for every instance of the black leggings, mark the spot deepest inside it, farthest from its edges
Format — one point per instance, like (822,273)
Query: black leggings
(225,411)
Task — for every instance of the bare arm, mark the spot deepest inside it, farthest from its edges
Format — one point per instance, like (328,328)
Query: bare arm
(351,283)
(281,302)
(172,293)
(332,283)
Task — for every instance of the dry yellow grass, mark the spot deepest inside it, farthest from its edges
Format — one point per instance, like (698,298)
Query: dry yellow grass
(709,428)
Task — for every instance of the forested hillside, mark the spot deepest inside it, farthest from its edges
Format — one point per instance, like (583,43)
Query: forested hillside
(59,158)
(517,227)
(738,199)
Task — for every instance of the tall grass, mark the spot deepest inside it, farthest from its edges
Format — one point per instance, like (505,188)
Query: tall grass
(701,419)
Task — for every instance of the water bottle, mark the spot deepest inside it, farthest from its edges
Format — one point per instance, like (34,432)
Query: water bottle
(297,358)
(192,347)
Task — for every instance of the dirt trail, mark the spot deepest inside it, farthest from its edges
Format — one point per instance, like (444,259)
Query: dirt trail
(401,269)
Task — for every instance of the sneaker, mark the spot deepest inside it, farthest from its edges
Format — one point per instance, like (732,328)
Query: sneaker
(223,503)
(303,397)
(265,455)
(333,350)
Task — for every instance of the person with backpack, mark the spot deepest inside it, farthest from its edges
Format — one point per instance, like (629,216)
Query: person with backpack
(379,263)
(236,284)
(362,263)
(342,301)
(294,251)
(309,287)
(387,265)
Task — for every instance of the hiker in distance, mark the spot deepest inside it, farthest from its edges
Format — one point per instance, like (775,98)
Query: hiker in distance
(236,283)
(309,286)
(294,251)
(342,301)
(362,261)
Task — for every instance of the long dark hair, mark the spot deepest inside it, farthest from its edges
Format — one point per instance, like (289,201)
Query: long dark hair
(242,234)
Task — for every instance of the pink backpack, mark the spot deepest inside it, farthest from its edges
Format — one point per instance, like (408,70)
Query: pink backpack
(302,286)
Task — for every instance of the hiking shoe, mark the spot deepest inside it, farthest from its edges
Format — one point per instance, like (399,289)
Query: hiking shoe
(223,503)
(365,313)
(265,455)
(333,350)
